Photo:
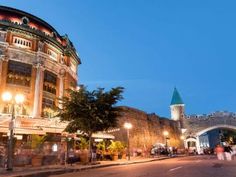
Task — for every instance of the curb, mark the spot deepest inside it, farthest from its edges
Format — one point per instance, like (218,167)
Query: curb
(56,171)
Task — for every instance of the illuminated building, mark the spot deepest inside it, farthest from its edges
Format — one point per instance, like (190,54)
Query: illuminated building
(38,62)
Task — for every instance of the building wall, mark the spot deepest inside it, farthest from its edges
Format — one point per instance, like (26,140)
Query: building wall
(147,129)
(197,123)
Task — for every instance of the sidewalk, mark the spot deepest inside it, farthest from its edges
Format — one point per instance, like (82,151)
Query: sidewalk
(45,171)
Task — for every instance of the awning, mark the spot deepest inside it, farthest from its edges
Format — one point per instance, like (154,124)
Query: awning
(52,130)
(29,131)
(102,136)
(26,131)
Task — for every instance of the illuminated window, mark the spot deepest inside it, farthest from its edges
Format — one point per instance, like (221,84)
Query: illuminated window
(52,54)
(50,82)
(19,73)
(48,103)
(21,42)
(48,106)
(19,109)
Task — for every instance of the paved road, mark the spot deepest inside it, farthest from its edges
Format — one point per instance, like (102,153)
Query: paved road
(201,166)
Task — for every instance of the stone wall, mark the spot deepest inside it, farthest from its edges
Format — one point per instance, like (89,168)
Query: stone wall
(197,123)
(147,129)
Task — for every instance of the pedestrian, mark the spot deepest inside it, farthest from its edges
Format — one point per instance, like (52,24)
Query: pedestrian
(234,151)
(62,157)
(71,156)
(228,152)
(219,152)
(94,153)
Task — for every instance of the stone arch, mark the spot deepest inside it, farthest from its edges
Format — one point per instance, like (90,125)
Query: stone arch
(231,127)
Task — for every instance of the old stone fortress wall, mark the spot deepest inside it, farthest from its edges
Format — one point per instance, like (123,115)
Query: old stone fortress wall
(148,130)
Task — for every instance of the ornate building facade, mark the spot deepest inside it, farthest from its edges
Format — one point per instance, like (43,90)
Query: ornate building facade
(36,61)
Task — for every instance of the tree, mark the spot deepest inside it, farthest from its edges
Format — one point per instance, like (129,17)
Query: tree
(91,111)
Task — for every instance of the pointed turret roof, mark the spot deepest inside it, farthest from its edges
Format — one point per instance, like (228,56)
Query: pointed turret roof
(176,98)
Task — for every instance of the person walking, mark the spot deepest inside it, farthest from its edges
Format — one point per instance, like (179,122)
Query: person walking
(219,152)
(94,153)
(228,152)
(71,157)
(234,151)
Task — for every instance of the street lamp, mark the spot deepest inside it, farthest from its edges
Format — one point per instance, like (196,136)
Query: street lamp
(128,126)
(166,133)
(18,99)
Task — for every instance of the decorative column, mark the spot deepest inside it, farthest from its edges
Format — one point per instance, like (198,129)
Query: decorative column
(38,83)
(3,59)
(3,78)
(38,89)
(61,86)
(1,65)
(3,36)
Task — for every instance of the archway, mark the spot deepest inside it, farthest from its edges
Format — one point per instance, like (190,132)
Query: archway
(231,127)
(214,132)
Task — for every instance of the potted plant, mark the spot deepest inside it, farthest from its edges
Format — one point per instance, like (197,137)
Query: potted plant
(121,149)
(101,150)
(116,148)
(84,155)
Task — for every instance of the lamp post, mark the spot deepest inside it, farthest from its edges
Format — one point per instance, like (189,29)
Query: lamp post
(18,99)
(166,133)
(128,126)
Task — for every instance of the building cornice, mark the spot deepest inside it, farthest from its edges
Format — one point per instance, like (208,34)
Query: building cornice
(28,15)
(68,50)
(24,29)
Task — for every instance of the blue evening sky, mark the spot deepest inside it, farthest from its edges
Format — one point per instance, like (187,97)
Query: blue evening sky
(149,47)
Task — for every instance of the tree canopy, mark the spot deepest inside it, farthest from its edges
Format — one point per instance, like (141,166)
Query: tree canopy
(91,111)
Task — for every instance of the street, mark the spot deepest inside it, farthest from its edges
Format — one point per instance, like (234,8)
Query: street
(199,166)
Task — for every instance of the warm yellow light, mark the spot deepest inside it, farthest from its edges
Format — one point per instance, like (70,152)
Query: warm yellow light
(127,125)
(78,88)
(6,96)
(19,98)
(165,133)
(182,137)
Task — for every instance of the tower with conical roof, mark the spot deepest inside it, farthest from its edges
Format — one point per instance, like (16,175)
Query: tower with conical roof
(177,107)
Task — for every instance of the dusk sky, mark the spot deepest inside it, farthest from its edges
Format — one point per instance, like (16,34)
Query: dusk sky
(149,47)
